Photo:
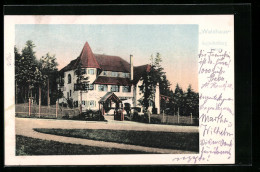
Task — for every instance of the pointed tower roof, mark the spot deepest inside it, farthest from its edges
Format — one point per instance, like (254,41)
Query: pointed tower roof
(87,58)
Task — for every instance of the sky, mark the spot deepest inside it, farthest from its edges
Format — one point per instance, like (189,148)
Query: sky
(177,44)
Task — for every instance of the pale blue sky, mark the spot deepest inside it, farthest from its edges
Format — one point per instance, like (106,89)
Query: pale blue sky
(177,44)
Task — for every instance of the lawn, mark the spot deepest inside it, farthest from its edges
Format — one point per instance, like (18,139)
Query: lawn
(31,146)
(169,140)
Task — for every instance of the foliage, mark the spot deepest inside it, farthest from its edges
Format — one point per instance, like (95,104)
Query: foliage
(191,102)
(187,102)
(151,79)
(32,74)
(26,65)
(147,88)
(92,115)
(178,101)
(70,102)
(49,69)
(81,79)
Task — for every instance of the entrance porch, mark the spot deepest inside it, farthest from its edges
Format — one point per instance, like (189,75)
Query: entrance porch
(111,105)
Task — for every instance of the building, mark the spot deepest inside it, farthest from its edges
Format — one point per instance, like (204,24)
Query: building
(111,80)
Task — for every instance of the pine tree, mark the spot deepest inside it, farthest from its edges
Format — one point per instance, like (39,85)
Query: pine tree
(18,80)
(151,79)
(178,100)
(147,88)
(191,102)
(25,66)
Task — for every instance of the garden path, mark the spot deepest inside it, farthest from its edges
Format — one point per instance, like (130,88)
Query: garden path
(24,126)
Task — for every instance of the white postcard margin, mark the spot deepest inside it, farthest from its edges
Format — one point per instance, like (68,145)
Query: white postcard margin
(216,90)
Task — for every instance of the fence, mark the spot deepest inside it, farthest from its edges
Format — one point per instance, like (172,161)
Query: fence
(175,119)
(54,111)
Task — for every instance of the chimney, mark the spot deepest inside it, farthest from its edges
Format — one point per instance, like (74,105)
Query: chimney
(131,68)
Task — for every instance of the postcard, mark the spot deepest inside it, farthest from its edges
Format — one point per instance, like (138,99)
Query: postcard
(119,90)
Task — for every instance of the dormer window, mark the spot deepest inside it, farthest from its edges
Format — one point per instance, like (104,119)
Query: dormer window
(69,78)
(114,74)
(125,75)
(105,73)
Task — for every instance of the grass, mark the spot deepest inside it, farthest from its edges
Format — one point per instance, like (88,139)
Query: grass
(31,146)
(169,140)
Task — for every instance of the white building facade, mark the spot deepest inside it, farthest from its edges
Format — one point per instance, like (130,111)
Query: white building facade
(106,74)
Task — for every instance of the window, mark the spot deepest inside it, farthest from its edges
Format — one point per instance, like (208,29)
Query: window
(91,71)
(69,78)
(114,88)
(91,87)
(83,71)
(105,73)
(86,86)
(92,103)
(102,87)
(114,74)
(126,88)
(76,104)
(70,93)
(83,102)
(125,75)
(151,103)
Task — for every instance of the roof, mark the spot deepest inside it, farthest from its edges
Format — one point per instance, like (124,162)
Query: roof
(110,95)
(107,63)
(86,57)
(112,81)
(139,71)
(112,63)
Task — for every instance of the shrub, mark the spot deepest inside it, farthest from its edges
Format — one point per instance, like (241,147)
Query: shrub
(93,115)
(145,118)
(66,115)
(154,110)
(135,116)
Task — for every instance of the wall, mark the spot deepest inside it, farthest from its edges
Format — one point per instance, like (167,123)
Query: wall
(96,95)
(157,99)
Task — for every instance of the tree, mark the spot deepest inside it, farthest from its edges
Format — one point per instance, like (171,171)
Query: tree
(186,102)
(164,84)
(49,69)
(191,102)
(151,79)
(31,75)
(147,88)
(25,66)
(82,81)
(178,99)
(18,81)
